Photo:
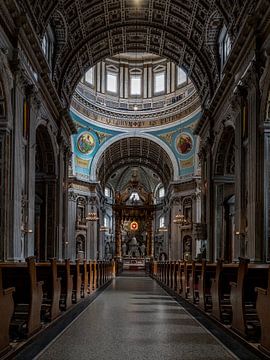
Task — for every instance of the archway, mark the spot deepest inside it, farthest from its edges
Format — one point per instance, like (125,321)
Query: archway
(129,162)
(224,185)
(45,196)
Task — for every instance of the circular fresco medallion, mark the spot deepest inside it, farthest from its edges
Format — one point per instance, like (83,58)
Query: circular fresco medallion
(134,226)
(184,144)
(86,143)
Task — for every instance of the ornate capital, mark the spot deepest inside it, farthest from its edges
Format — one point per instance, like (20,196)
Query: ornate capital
(72,196)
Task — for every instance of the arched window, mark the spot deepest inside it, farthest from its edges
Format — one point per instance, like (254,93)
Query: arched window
(181,76)
(224,46)
(112,79)
(159,80)
(135,82)
(48,44)
(162,222)
(161,192)
(2,102)
(107,192)
(89,76)
(134,196)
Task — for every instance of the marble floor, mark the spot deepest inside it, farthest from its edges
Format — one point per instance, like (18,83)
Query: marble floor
(135,319)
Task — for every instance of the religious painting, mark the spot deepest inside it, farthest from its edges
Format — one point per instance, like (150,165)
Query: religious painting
(86,143)
(184,144)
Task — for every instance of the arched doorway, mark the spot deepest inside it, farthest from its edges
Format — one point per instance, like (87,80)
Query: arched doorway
(224,185)
(45,196)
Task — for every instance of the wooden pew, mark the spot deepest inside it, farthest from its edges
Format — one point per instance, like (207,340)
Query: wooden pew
(263,306)
(243,298)
(204,285)
(194,281)
(91,276)
(220,291)
(63,271)
(77,281)
(47,272)
(186,279)
(27,297)
(6,311)
(85,278)
(180,278)
(175,276)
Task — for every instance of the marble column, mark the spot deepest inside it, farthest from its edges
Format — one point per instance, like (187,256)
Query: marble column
(118,248)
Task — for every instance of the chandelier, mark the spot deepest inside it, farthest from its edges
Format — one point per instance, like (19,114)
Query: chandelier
(163,229)
(104,228)
(92,216)
(181,220)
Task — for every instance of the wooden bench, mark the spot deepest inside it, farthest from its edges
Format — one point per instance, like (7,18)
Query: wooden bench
(245,320)
(220,291)
(27,298)
(204,285)
(85,278)
(77,281)
(63,271)
(180,277)
(47,272)
(194,281)
(186,274)
(6,311)
(263,307)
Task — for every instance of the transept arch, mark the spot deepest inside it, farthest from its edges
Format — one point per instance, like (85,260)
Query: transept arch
(160,144)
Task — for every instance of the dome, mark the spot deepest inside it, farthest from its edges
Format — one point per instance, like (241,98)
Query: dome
(135,90)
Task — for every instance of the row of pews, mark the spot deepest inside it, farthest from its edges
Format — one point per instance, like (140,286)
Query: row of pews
(236,294)
(33,293)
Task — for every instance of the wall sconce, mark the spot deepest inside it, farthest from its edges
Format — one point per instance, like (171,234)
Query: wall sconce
(163,229)
(104,228)
(25,229)
(181,220)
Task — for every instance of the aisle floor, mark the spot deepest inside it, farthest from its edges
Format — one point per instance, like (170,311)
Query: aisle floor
(135,319)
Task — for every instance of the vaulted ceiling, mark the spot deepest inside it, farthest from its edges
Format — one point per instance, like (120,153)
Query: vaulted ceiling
(181,30)
(135,151)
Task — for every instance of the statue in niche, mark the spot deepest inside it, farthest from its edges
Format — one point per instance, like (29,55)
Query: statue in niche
(142,248)
(124,249)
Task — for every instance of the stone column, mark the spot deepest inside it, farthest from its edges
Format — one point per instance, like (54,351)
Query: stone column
(175,229)
(209,211)
(118,248)
(30,174)
(254,242)
(150,247)
(70,241)
(239,174)
(91,245)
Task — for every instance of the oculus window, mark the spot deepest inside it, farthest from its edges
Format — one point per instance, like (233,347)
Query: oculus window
(159,82)
(112,82)
(135,84)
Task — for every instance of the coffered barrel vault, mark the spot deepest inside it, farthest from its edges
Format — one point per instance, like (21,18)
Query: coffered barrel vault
(179,30)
